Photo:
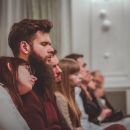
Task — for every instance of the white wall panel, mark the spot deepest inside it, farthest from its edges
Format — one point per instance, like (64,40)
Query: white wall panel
(110,48)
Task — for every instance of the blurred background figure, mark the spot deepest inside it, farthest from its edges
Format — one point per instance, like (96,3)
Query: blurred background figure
(65,93)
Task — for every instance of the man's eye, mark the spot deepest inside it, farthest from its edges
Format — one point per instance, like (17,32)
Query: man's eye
(43,44)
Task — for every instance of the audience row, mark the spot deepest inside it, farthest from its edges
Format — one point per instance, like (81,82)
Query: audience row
(40,92)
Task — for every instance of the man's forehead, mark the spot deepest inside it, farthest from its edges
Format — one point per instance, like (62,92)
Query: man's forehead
(81,61)
(42,35)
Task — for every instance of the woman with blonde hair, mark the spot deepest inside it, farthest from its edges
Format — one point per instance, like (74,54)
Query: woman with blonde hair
(65,96)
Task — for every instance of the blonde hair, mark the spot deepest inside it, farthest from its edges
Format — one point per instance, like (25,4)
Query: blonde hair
(69,66)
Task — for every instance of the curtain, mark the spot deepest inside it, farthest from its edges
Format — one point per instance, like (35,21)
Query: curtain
(12,11)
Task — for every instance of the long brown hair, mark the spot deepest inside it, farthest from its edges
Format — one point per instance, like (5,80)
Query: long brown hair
(9,78)
(69,66)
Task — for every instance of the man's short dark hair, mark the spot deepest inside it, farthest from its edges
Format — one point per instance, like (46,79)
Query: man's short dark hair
(25,30)
(74,56)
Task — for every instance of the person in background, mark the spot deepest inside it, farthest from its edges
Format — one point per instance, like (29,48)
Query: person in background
(65,93)
(82,95)
(54,62)
(103,102)
(98,76)
(99,93)
(16,79)
(101,99)
(93,107)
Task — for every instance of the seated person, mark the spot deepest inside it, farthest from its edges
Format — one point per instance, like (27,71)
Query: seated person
(46,108)
(91,105)
(104,104)
(65,93)
(16,79)
(81,94)
(102,99)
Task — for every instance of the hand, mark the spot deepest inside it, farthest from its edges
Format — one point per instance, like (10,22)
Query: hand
(104,114)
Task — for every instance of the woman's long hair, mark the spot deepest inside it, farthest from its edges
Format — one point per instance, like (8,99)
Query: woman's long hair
(8,77)
(69,66)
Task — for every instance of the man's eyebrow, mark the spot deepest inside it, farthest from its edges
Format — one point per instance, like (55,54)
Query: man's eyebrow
(46,43)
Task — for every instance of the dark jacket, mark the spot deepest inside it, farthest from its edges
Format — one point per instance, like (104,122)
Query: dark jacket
(93,109)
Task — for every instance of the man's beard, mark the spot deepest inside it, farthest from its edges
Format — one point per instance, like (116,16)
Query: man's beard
(43,71)
(35,61)
(34,56)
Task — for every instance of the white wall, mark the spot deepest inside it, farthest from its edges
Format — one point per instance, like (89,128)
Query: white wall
(111,48)
(107,50)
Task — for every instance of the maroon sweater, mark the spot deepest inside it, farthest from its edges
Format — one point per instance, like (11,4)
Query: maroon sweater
(42,116)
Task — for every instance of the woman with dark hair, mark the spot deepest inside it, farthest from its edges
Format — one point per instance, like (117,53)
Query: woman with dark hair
(16,79)
(65,93)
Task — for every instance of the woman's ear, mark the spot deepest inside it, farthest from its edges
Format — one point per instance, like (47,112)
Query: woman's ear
(9,66)
(25,47)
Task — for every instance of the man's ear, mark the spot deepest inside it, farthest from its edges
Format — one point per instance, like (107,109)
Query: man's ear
(9,66)
(25,47)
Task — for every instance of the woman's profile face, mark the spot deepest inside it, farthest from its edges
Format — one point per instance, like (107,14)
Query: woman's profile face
(25,79)
(75,79)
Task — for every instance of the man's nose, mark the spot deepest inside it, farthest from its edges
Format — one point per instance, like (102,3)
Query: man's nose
(51,49)
(58,69)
